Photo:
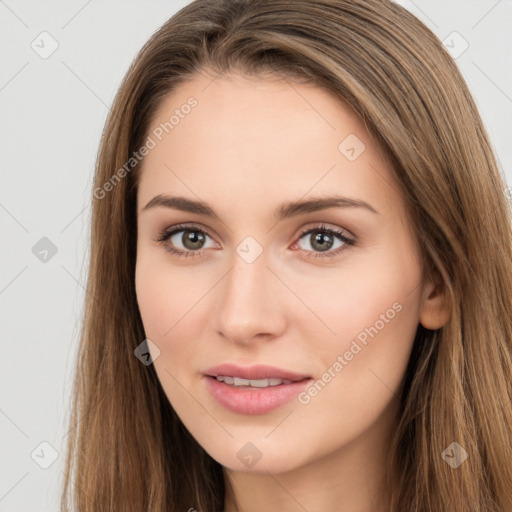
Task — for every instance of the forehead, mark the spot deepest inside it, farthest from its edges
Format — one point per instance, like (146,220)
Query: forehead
(231,136)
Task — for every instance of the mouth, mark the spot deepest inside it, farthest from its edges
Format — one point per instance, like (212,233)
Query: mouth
(257,373)
(239,382)
(253,390)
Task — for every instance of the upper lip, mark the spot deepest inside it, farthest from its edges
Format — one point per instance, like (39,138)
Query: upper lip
(256,372)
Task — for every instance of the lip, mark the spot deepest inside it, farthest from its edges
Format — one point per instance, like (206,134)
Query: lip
(259,371)
(243,400)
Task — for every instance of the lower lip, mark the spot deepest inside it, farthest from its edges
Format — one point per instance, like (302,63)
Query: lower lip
(253,400)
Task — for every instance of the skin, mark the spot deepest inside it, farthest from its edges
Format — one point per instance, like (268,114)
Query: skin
(247,147)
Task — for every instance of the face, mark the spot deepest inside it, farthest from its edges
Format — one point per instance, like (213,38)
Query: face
(327,294)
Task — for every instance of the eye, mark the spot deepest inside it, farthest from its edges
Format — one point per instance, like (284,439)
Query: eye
(184,240)
(323,239)
(192,240)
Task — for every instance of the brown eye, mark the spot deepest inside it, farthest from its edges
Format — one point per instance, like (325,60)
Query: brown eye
(184,240)
(322,239)
(192,240)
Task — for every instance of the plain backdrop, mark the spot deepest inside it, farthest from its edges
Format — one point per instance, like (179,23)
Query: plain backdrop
(53,108)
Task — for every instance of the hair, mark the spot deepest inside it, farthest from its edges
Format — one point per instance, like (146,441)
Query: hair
(127,449)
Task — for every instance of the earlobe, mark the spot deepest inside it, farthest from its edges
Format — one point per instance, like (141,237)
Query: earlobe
(435,309)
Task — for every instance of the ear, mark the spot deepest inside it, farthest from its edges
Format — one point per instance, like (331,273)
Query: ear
(435,308)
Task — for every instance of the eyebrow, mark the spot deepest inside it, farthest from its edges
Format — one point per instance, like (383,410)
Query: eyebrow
(285,211)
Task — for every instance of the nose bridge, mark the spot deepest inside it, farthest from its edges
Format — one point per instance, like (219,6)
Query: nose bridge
(247,305)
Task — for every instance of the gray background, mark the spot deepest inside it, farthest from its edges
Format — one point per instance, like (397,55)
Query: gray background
(53,110)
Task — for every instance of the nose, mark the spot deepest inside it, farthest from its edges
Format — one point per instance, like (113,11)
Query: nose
(251,304)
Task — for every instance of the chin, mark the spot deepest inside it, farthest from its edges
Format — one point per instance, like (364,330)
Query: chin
(263,460)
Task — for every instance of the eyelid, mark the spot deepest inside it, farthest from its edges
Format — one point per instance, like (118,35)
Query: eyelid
(313,225)
(323,226)
(166,233)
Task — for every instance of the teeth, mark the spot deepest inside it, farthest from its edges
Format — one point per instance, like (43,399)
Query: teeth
(261,383)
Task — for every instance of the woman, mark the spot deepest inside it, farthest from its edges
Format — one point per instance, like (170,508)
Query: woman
(300,281)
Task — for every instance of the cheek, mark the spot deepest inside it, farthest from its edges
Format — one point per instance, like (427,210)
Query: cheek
(163,295)
(378,292)
(170,308)
(373,309)
(362,368)
(163,304)
(153,303)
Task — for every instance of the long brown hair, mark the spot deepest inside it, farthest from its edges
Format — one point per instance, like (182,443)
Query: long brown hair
(127,449)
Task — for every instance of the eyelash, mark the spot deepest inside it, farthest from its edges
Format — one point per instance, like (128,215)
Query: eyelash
(167,233)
